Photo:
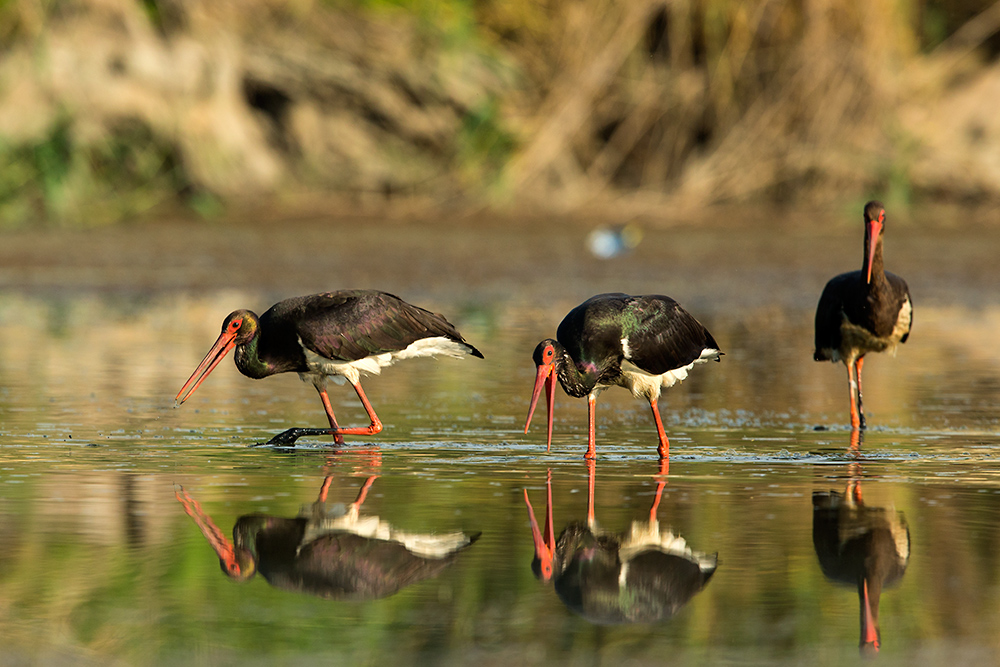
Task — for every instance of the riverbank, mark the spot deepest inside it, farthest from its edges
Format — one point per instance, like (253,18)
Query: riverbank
(111,111)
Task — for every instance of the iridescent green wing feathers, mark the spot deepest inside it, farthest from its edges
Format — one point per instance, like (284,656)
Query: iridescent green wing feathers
(653,332)
(661,336)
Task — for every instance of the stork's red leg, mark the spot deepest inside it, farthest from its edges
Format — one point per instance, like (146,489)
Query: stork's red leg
(337,437)
(291,435)
(338,431)
(852,384)
(372,428)
(861,410)
(664,448)
(591,418)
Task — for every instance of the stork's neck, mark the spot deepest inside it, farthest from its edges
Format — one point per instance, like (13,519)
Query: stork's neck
(249,362)
(246,530)
(577,379)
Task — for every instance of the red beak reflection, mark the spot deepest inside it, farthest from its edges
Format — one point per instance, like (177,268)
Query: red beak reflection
(545,543)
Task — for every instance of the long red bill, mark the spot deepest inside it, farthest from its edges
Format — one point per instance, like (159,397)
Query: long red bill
(869,630)
(220,544)
(874,229)
(226,342)
(546,376)
(545,544)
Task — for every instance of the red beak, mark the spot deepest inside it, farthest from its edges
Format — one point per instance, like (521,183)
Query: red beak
(547,376)
(869,629)
(873,229)
(545,547)
(226,342)
(223,548)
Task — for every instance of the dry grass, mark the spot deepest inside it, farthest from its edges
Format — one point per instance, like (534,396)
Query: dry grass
(635,107)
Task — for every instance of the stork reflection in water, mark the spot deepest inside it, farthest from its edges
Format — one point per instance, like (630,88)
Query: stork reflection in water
(860,545)
(642,576)
(332,552)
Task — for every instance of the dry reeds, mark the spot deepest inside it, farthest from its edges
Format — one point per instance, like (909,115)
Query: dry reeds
(561,104)
(723,101)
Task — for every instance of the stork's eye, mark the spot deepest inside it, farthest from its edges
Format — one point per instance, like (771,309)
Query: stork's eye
(235,324)
(881,216)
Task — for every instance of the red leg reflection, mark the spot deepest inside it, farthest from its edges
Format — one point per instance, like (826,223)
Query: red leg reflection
(662,482)
(591,484)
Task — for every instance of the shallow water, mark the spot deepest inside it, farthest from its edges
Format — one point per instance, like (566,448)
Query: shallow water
(101,563)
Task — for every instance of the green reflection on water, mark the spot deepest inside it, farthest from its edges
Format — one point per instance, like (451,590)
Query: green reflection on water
(99,563)
(101,560)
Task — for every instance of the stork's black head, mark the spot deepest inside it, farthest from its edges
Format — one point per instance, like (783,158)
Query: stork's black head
(874,212)
(239,328)
(545,356)
(241,325)
(545,353)
(240,566)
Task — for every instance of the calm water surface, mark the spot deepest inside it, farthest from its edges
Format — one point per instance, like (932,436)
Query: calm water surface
(101,562)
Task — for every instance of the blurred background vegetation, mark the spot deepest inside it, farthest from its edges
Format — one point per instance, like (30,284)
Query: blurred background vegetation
(114,110)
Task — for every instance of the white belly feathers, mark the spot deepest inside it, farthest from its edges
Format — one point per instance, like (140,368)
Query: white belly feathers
(646,385)
(321,368)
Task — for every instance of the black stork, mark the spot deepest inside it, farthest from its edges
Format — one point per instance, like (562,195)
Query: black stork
(863,311)
(333,552)
(860,545)
(641,343)
(642,576)
(331,336)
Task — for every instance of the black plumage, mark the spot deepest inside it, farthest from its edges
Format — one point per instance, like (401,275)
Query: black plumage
(330,552)
(641,576)
(334,335)
(642,343)
(863,311)
(661,335)
(861,546)
(592,579)
(347,326)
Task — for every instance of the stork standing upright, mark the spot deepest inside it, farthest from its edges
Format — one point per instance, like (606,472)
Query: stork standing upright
(863,311)
(331,336)
(860,545)
(641,343)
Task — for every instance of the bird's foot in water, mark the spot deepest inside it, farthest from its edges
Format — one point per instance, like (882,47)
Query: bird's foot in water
(289,437)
